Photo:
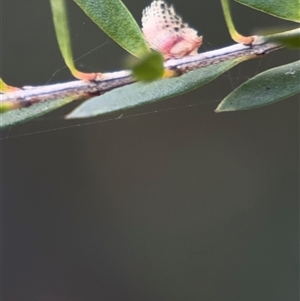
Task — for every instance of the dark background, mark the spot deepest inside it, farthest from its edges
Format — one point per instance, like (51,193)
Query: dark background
(173,202)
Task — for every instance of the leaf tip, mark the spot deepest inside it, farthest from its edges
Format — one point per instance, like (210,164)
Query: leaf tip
(224,107)
(70,116)
(76,114)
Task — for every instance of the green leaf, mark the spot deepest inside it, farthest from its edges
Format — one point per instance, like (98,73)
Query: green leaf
(141,93)
(289,38)
(17,116)
(230,25)
(115,20)
(60,20)
(149,68)
(263,89)
(284,9)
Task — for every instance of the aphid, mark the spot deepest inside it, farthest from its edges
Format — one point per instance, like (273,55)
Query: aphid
(165,32)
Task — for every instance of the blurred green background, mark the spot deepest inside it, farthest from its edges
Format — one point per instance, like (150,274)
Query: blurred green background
(170,202)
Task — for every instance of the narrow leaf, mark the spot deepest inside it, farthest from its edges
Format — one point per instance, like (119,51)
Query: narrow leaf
(230,25)
(115,20)
(284,9)
(17,116)
(60,20)
(141,93)
(263,89)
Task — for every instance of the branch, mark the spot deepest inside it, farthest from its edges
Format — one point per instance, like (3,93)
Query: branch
(107,81)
